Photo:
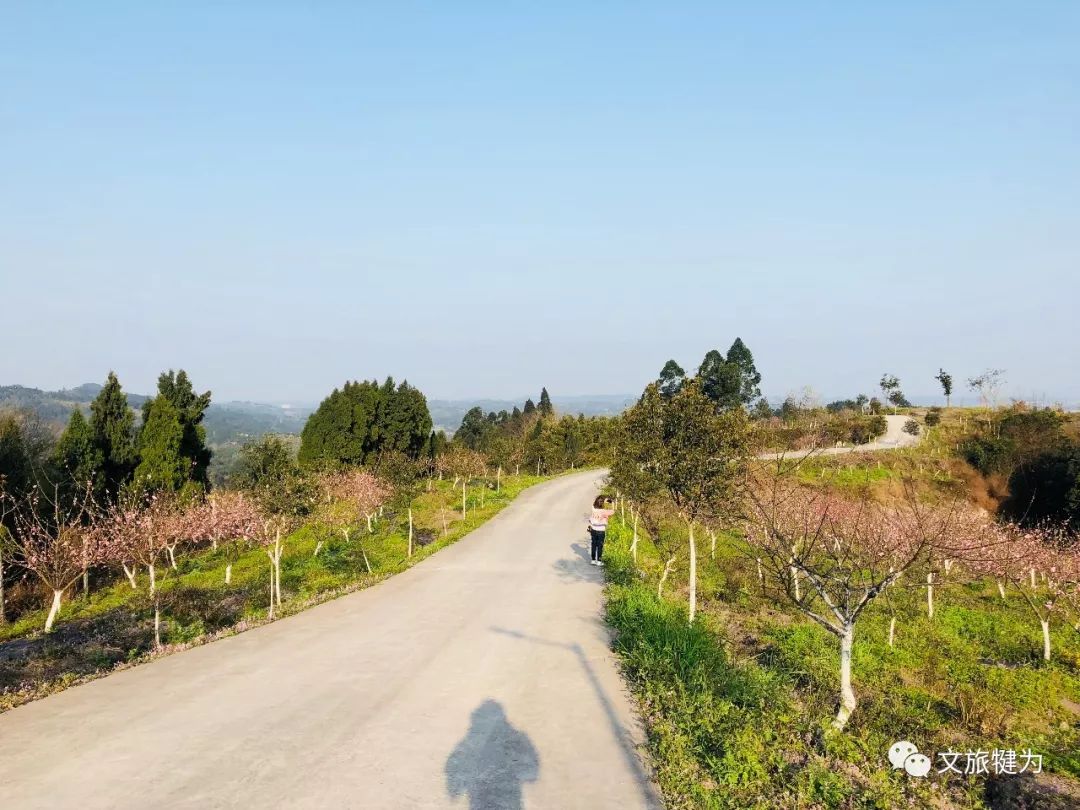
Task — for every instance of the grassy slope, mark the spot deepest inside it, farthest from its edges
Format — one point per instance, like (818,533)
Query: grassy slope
(736,704)
(113,627)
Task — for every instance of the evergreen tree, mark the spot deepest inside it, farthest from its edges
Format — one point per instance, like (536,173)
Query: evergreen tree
(546,408)
(361,421)
(748,378)
(113,426)
(78,457)
(190,408)
(671,380)
(162,466)
(474,428)
(715,377)
(530,407)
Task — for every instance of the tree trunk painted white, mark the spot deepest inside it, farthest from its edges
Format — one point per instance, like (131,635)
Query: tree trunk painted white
(664,576)
(712,543)
(130,574)
(368,525)
(410,531)
(892,630)
(498,480)
(277,565)
(760,576)
(54,610)
(463,488)
(85,581)
(270,613)
(847,694)
(633,543)
(796,584)
(151,569)
(948,567)
(157,623)
(517,470)
(445,528)
(1001,588)
(228,573)
(1046,638)
(1033,584)
(172,556)
(693,575)
(318,548)
(930,595)
(538,466)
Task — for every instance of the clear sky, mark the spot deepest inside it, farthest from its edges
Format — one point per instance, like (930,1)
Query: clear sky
(489,197)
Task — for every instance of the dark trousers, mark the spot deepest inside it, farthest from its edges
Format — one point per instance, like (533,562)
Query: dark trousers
(597,544)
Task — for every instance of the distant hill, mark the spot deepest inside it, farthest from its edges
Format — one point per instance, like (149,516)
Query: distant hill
(225,422)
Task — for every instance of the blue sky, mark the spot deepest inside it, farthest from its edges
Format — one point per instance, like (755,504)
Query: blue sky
(490,197)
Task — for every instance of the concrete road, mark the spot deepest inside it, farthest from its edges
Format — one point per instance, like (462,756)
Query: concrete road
(481,678)
(893,438)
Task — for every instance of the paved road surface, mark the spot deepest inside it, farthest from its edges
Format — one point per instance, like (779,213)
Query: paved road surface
(894,437)
(481,678)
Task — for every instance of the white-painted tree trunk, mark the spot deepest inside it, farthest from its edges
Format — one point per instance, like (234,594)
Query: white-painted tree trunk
(410,531)
(712,544)
(58,595)
(664,576)
(228,573)
(633,543)
(318,548)
(693,575)
(445,528)
(1046,638)
(151,569)
(1033,583)
(795,583)
(172,556)
(368,525)
(130,574)
(847,694)
(892,630)
(498,480)
(463,488)
(1001,588)
(760,576)
(930,595)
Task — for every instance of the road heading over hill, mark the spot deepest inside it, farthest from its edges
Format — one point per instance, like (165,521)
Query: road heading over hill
(481,678)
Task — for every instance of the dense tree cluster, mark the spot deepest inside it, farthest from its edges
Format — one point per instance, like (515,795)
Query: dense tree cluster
(729,381)
(362,420)
(535,437)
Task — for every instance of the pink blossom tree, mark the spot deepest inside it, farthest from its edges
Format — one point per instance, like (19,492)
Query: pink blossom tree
(1042,564)
(848,553)
(57,540)
(230,519)
(354,495)
(139,531)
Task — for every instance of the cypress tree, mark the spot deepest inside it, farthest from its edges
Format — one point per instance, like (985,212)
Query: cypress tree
(162,466)
(78,456)
(190,408)
(113,426)
(530,407)
(546,408)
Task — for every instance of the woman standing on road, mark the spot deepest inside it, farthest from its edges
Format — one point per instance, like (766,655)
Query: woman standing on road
(598,521)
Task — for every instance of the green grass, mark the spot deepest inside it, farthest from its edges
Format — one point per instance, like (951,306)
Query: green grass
(738,705)
(112,627)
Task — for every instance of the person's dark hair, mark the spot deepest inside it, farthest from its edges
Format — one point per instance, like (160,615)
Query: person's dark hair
(599,502)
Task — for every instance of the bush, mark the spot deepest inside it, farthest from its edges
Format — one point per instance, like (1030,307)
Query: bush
(933,417)
(911,427)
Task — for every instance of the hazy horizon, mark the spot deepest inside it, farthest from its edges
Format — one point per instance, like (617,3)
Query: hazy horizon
(487,200)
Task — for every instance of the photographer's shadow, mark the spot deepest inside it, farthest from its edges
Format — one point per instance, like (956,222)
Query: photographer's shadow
(491,762)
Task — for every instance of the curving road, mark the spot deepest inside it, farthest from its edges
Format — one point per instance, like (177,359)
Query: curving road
(894,438)
(481,678)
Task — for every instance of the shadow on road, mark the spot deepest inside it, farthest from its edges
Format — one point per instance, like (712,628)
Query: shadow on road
(621,735)
(491,762)
(578,568)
